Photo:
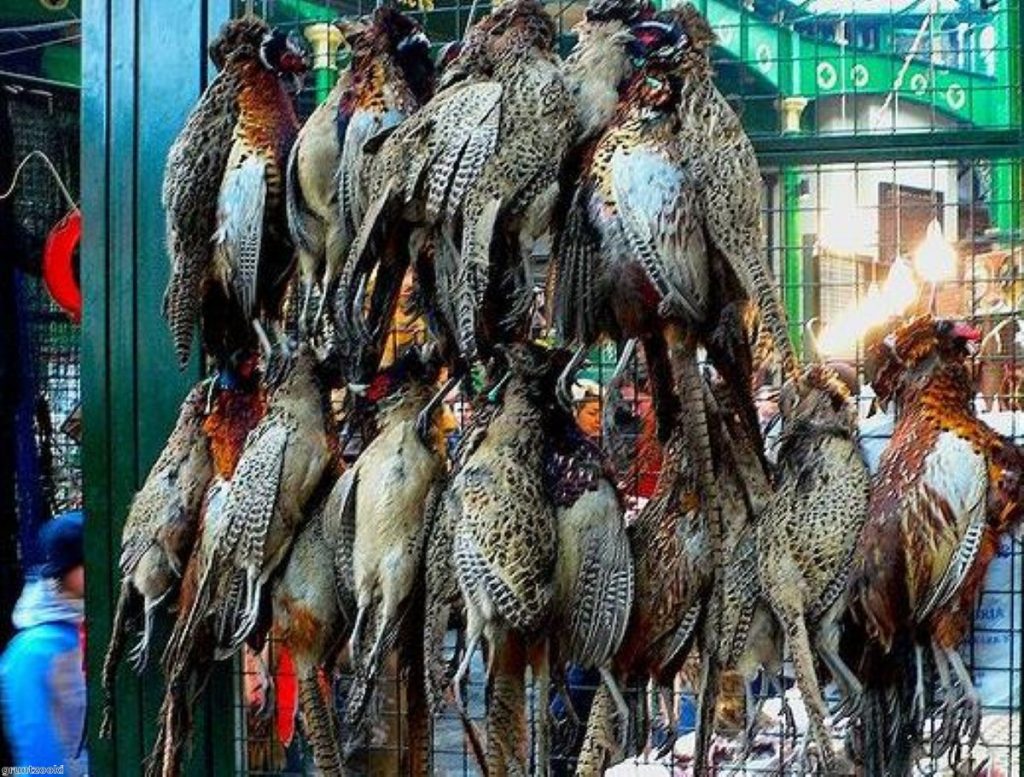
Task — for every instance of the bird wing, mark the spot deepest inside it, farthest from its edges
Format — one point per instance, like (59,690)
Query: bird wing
(299,218)
(955,483)
(239,237)
(238,555)
(195,166)
(445,146)
(659,214)
(603,596)
(360,128)
(340,527)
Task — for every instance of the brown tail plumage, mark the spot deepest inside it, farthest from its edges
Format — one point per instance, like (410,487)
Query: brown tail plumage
(600,747)
(506,708)
(115,651)
(321,724)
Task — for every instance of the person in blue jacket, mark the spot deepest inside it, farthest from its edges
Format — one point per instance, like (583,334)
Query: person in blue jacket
(42,681)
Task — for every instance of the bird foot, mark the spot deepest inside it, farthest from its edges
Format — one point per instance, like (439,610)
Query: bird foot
(849,707)
(139,656)
(965,720)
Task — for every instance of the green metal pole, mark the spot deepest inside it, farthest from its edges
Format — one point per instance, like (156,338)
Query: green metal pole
(325,39)
(793,254)
(1006,174)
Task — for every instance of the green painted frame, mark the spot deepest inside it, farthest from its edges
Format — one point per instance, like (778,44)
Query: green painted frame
(144,64)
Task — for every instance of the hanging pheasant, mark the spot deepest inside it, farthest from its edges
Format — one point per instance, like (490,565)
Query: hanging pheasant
(227,233)
(390,76)
(472,175)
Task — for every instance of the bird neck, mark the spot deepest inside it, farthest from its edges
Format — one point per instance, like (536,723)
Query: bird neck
(264,106)
(402,406)
(944,388)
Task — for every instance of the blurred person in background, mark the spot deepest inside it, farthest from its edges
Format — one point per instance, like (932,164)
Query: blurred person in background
(42,681)
(586,395)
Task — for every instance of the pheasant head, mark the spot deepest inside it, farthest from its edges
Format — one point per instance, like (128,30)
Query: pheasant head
(915,349)
(818,396)
(516,28)
(395,38)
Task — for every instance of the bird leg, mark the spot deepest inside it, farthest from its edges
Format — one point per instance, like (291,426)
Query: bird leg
(807,681)
(967,709)
(563,388)
(423,419)
(139,655)
(307,297)
(918,707)
(621,708)
(463,670)
(850,686)
(666,700)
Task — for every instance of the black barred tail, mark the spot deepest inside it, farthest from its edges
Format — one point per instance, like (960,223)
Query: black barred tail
(112,659)
(890,733)
(506,709)
(321,725)
(180,310)
(707,700)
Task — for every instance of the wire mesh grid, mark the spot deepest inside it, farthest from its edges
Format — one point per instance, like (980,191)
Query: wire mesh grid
(50,346)
(849,243)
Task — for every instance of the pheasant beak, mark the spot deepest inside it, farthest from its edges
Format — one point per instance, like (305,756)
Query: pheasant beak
(359,389)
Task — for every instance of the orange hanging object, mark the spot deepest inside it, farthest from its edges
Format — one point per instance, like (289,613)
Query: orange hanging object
(59,272)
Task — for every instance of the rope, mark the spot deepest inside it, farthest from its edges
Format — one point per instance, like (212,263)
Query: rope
(53,170)
(34,46)
(41,27)
(898,81)
(469,21)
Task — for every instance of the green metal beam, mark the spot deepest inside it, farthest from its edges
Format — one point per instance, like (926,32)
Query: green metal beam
(804,66)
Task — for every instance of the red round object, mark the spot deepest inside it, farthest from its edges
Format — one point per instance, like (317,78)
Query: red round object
(59,272)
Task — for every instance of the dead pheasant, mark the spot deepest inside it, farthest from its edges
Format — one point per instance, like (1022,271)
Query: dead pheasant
(386,496)
(474,176)
(948,487)
(389,77)
(314,610)
(158,534)
(227,232)
(807,535)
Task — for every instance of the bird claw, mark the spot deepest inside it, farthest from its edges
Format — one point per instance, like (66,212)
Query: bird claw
(139,656)
(961,724)
(849,707)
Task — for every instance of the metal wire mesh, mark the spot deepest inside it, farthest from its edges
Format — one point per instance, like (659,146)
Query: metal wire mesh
(50,349)
(835,233)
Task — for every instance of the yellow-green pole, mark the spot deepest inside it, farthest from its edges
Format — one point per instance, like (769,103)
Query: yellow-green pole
(325,39)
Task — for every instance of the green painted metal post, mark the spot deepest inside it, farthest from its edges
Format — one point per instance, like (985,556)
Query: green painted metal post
(793,254)
(325,39)
(140,84)
(1006,175)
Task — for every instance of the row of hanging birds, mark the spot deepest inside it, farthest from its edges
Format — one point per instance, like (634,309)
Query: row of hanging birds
(634,163)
